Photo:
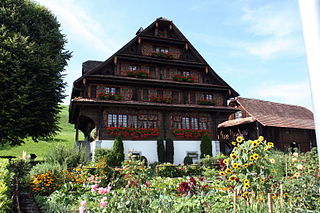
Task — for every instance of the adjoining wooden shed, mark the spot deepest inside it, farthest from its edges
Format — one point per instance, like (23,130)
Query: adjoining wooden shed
(285,125)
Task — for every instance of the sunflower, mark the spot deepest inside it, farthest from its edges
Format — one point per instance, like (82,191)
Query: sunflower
(234,143)
(261,138)
(233,156)
(239,166)
(272,160)
(239,139)
(270,144)
(245,181)
(232,178)
(262,180)
(266,148)
(235,165)
(255,156)
(245,165)
(245,194)
(228,171)
(226,161)
(247,186)
(251,158)
(254,144)
(222,173)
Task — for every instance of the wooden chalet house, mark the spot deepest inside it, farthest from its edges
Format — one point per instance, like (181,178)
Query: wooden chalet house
(285,125)
(157,85)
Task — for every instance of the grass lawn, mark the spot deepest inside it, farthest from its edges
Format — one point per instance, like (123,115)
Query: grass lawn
(66,136)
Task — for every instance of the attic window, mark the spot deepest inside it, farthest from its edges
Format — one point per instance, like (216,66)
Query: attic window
(111,90)
(133,68)
(207,96)
(238,115)
(161,49)
(185,73)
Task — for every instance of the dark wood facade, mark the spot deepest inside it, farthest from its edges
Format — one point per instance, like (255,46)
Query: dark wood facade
(279,123)
(156,81)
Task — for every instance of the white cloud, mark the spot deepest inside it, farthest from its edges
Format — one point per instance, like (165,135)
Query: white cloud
(289,93)
(275,30)
(79,25)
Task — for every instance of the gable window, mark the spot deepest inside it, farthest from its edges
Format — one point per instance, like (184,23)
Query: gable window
(134,68)
(208,97)
(115,120)
(161,49)
(238,115)
(185,73)
(111,90)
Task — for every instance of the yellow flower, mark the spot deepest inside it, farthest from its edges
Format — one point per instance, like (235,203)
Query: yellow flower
(222,173)
(232,178)
(235,165)
(272,160)
(228,171)
(300,167)
(233,156)
(226,161)
(245,165)
(251,158)
(294,159)
(239,139)
(297,174)
(274,197)
(245,194)
(256,156)
(233,143)
(266,148)
(245,181)
(247,186)
(270,144)
(261,138)
(262,180)
(254,144)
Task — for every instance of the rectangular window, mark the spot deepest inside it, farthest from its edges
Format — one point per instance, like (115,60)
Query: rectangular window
(145,94)
(111,90)
(161,49)
(133,121)
(115,120)
(202,125)
(185,73)
(185,123)
(122,120)
(194,123)
(238,114)
(133,67)
(208,97)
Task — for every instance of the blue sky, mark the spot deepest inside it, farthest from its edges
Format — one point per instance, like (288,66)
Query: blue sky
(256,46)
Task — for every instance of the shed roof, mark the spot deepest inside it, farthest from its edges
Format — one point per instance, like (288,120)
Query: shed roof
(273,114)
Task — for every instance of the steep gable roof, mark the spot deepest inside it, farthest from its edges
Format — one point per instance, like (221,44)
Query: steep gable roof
(180,36)
(273,114)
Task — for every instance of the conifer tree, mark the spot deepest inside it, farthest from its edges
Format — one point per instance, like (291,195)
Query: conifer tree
(205,146)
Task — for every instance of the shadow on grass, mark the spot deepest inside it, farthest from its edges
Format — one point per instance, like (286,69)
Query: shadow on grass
(56,140)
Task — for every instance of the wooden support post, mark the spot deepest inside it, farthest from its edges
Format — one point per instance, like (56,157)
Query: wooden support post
(235,201)
(270,209)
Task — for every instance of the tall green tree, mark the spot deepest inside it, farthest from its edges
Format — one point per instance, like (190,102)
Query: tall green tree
(32,59)
(205,146)
(118,150)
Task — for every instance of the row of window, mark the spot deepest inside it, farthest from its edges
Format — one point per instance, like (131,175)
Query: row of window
(132,121)
(134,67)
(123,120)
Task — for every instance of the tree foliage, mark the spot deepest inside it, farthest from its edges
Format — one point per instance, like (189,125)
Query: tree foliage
(32,59)
(160,150)
(169,150)
(205,146)
(118,150)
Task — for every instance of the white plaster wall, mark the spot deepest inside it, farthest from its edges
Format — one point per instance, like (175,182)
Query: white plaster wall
(146,148)
(149,148)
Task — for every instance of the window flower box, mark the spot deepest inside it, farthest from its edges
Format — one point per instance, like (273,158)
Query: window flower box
(104,96)
(183,78)
(133,133)
(190,133)
(206,102)
(162,55)
(165,100)
(138,74)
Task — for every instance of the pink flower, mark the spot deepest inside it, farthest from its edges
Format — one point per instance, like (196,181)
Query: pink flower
(83,203)
(94,186)
(148,184)
(103,203)
(104,190)
(93,190)
(81,209)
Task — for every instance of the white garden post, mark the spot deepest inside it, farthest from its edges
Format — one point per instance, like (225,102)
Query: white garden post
(310,19)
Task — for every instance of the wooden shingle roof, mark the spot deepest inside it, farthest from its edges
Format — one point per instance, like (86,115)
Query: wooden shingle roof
(274,114)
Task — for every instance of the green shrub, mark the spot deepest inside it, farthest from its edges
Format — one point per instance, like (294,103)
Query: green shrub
(71,157)
(169,150)
(169,170)
(118,151)
(101,153)
(55,168)
(6,178)
(193,170)
(187,160)
(160,150)
(205,146)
